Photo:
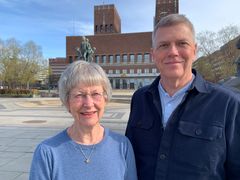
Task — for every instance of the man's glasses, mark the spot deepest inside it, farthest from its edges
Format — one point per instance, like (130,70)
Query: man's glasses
(95,96)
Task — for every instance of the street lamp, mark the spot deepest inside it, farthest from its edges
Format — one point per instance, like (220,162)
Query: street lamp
(238,44)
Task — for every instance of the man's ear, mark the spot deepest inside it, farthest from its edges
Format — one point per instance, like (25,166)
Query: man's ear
(195,51)
(152,54)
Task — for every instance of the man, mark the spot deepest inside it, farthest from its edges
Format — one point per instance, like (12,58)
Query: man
(181,126)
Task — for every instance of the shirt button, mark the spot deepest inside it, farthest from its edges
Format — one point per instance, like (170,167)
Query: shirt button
(163,156)
(198,131)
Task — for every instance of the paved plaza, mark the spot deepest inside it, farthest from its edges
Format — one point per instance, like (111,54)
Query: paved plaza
(25,122)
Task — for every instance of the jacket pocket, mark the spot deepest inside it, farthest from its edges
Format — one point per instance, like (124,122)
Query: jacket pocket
(207,132)
(198,147)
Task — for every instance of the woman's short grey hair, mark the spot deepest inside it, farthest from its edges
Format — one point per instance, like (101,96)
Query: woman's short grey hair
(172,20)
(83,73)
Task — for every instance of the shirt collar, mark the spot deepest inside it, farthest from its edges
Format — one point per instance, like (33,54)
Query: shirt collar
(198,84)
(180,92)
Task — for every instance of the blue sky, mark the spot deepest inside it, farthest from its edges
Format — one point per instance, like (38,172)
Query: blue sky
(48,22)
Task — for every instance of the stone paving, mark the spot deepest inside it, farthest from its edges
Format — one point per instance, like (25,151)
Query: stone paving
(25,122)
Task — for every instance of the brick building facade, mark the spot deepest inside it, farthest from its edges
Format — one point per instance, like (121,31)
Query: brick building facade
(125,57)
(57,66)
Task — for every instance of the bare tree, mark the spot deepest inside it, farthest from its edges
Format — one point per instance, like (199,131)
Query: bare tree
(31,57)
(19,64)
(219,50)
(9,61)
(228,33)
(207,42)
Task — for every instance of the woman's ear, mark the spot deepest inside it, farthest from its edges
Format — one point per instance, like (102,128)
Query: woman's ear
(67,105)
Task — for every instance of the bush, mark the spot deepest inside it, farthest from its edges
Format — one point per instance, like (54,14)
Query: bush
(18,92)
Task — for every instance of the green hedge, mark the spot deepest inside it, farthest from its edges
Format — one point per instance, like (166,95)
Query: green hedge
(18,92)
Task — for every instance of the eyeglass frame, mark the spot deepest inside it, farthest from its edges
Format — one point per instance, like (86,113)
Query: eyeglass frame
(80,97)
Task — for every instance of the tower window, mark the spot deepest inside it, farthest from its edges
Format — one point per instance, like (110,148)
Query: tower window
(96,28)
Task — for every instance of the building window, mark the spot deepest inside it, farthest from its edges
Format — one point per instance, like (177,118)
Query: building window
(125,58)
(111,28)
(106,28)
(124,71)
(154,70)
(101,28)
(139,71)
(97,59)
(132,58)
(70,59)
(110,71)
(111,59)
(117,71)
(146,71)
(117,83)
(104,59)
(124,84)
(131,71)
(117,59)
(146,57)
(139,58)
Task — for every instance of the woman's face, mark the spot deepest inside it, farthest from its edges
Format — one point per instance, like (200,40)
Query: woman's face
(86,104)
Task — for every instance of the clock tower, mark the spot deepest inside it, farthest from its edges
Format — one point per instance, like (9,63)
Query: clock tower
(165,7)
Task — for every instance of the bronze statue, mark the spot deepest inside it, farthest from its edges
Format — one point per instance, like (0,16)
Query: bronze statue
(85,51)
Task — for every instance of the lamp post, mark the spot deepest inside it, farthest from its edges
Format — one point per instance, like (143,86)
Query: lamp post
(238,44)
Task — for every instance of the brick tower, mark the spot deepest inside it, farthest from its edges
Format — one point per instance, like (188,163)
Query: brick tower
(106,20)
(165,7)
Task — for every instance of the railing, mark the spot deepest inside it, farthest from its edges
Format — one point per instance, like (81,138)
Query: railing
(125,64)
(133,75)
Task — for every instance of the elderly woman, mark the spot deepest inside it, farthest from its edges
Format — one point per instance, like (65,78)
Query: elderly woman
(86,150)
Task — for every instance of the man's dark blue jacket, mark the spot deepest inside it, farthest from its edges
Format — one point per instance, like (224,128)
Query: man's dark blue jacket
(201,140)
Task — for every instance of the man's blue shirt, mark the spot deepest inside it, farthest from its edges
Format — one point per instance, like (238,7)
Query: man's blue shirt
(169,103)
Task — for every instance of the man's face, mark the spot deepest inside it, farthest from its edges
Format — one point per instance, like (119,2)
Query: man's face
(174,51)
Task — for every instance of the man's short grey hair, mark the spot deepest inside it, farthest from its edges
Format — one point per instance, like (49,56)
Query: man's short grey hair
(172,20)
(86,74)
